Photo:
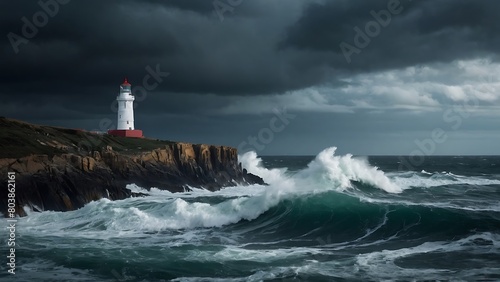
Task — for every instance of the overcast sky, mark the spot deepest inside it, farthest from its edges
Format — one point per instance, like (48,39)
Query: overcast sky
(284,76)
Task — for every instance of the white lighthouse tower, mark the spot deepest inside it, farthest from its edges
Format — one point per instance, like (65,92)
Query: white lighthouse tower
(125,107)
(125,126)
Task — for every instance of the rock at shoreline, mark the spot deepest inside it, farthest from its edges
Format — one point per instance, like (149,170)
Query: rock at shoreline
(63,169)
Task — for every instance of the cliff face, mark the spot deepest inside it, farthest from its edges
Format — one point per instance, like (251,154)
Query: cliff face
(69,180)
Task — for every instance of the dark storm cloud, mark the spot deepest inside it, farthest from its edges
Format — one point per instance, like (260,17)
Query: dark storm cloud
(102,41)
(425,31)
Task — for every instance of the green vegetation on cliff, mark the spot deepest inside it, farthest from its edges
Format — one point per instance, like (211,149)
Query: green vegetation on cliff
(19,139)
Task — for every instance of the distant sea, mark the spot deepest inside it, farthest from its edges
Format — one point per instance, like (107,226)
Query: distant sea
(322,218)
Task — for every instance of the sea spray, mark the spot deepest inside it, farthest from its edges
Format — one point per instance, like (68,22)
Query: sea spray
(328,170)
(341,170)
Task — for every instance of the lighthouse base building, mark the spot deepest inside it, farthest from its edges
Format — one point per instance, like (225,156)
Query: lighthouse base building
(125,100)
(126,133)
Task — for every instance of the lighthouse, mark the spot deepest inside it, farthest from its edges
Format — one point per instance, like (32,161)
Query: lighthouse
(125,107)
(125,100)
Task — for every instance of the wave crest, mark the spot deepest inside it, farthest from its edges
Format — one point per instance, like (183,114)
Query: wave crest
(341,170)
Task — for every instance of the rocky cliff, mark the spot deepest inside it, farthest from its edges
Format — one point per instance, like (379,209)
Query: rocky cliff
(61,169)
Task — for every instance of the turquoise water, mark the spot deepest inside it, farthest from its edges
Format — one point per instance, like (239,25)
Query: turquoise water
(322,218)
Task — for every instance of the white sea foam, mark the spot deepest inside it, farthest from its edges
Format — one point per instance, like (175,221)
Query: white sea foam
(373,260)
(380,265)
(228,192)
(457,205)
(408,180)
(375,265)
(46,270)
(231,253)
(253,164)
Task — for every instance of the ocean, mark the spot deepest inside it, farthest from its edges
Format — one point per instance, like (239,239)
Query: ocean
(321,218)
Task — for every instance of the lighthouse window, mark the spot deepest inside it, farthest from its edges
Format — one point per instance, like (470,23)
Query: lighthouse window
(125,104)
(127,121)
